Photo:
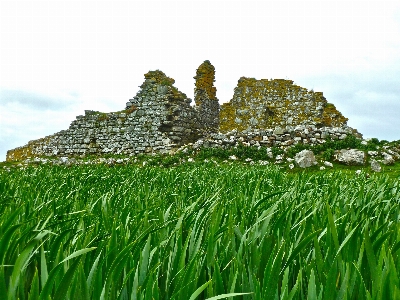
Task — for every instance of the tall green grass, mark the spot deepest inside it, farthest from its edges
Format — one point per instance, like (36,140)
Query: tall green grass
(197,232)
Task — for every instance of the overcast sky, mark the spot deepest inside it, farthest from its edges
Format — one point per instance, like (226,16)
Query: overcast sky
(58,58)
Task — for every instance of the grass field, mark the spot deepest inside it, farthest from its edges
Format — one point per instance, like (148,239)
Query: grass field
(197,231)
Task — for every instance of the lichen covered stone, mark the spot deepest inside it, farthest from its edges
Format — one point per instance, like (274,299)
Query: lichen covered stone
(207,105)
(262,104)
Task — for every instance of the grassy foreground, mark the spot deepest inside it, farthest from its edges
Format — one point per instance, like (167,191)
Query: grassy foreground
(197,231)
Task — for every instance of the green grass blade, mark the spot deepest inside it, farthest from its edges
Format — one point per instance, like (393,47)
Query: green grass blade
(3,288)
(5,240)
(78,253)
(92,272)
(346,240)
(293,292)
(378,243)
(370,254)
(43,267)
(223,296)
(319,260)
(199,290)
(20,264)
(144,261)
(300,247)
(34,291)
(7,223)
(272,272)
(47,289)
(312,289)
(343,288)
(67,279)
(332,227)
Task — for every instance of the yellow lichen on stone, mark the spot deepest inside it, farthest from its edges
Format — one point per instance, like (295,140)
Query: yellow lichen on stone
(18,154)
(27,151)
(205,77)
(227,117)
(159,77)
(332,117)
(264,104)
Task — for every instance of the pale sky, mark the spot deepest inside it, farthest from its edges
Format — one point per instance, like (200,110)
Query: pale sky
(58,58)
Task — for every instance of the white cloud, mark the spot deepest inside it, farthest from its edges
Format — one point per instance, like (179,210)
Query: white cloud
(96,52)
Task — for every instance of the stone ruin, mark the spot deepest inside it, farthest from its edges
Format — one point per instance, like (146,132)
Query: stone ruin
(160,119)
(263,104)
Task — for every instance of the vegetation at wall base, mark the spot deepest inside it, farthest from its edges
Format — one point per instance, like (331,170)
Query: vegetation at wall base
(196,231)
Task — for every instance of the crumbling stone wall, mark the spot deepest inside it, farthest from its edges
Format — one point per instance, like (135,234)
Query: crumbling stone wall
(207,105)
(278,137)
(168,110)
(159,118)
(263,104)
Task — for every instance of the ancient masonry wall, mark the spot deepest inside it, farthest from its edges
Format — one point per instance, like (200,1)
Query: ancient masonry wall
(262,104)
(160,119)
(278,137)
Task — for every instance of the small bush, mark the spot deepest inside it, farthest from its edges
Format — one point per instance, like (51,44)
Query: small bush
(276,151)
(170,160)
(328,154)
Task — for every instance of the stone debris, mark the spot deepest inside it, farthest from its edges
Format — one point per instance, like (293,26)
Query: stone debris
(351,157)
(305,159)
(387,159)
(375,166)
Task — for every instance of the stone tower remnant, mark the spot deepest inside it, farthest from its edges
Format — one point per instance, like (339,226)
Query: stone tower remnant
(207,104)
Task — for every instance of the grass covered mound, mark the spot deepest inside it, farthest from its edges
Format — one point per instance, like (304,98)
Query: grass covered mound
(196,231)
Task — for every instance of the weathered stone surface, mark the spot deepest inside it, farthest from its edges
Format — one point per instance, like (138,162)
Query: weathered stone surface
(207,105)
(261,104)
(352,157)
(375,166)
(305,159)
(387,159)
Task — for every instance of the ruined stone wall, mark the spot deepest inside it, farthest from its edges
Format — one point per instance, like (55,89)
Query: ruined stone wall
(263,104)
(159,118)
(278,137)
